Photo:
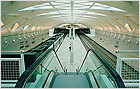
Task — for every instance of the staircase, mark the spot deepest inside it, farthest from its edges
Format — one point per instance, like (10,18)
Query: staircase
(71,81)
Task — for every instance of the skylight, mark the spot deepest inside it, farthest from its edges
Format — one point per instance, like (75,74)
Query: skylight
(81,7)
(86,19)
(55,16)
(45,4)
(85,3)
(115,9)
(63,1)
(78,12)
(62,7)
(101,5)
(89,16)
(55,3)
(36,7)
(105,7)
(54,12)
(64,11)
(60,4)
(93,13)
(28,8)
(78,5)
(66,15)
(80,1)
(65,5)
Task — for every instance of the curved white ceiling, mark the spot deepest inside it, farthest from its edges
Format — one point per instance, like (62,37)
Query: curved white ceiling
(95,14)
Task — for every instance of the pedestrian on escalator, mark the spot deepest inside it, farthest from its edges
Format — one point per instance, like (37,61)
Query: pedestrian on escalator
(70,47)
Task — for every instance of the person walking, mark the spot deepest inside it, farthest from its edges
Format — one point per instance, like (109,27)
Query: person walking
(70,47)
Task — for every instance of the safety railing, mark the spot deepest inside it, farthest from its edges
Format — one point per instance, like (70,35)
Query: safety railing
(83,61)
(90,76)
(58,42)
(11,67)
(128,68)
(39,70)
(105,75)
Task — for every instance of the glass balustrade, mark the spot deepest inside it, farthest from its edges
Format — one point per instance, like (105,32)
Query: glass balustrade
(100,71)
(40,72)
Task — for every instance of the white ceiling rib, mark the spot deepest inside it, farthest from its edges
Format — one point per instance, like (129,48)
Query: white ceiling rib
(71,9)
(110,13)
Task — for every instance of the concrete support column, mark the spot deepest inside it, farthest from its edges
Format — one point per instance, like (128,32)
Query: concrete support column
(69,33)
(51,31)
(22,63)
(73,33)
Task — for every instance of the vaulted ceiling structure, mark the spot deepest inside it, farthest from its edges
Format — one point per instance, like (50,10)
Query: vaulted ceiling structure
(23,16)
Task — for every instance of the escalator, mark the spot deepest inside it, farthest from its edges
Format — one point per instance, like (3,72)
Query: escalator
(110,58)
(48,72)
(71,81)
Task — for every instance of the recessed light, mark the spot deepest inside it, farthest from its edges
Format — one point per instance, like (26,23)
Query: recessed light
(118,37)
(6,42)
(137,42)
(123,39)
(14,40)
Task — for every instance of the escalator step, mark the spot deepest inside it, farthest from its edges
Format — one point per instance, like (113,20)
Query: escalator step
(71,81)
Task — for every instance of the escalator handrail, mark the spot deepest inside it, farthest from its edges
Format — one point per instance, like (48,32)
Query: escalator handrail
(59,61)
(46,41)
(83,42)
(100,46)
(48,77)
(94,77)
(83,61)
(30,69)
(115,75)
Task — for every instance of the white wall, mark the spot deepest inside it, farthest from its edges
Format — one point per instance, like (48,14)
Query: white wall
(15,45)
(92,32)
(122,44)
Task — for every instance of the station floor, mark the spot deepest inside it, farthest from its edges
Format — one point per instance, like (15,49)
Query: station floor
(78,50)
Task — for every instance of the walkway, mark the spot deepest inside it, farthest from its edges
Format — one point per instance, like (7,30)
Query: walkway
(79,53)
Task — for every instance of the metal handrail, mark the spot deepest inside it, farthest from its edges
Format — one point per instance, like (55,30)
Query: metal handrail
(115,75)
(101,46)
(127,51)
(109,68)
(59,61)
(94,77)
(30,69)
(83,61)
(11,52)
(48,77)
